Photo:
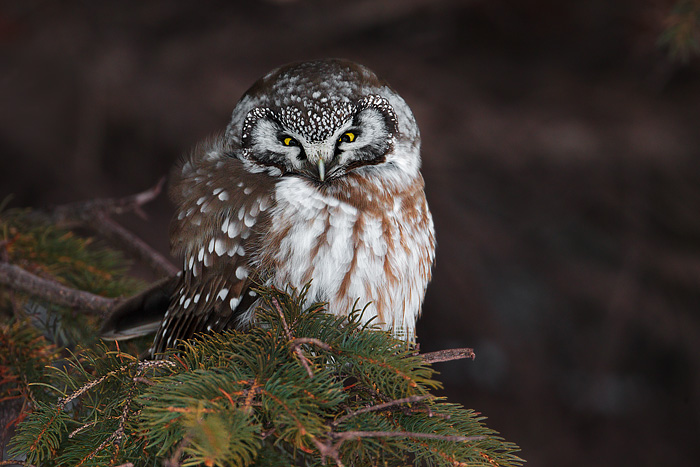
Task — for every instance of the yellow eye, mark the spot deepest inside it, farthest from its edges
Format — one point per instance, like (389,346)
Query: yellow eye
(287,141)
(348,137)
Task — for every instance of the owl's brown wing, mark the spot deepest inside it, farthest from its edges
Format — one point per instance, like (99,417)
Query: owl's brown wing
(223,209)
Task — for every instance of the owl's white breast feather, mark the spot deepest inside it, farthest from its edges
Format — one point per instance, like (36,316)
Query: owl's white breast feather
(346,254)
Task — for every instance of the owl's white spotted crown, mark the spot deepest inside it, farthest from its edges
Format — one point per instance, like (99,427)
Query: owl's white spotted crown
(312,97)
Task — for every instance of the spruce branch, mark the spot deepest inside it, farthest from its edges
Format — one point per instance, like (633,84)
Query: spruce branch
(20,280)
(245,398)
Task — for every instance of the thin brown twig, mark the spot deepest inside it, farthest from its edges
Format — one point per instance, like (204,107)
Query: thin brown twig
(72,214)
(16,462)
(54,292)
(284,321)
(82,428)
(348,435)
(141,379)
(174,460)
(448,355)
(328,450)
(311,340)
(383,406)
(297,346)
(139,249)
(94,214)
(304,360)
(332,450)
(118,435)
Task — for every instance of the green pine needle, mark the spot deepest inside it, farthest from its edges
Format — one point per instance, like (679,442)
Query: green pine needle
(300,388)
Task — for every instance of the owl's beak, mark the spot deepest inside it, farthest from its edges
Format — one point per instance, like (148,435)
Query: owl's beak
(319,154)
(321,170)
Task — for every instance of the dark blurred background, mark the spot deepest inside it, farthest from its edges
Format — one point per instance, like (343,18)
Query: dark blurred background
(560,146)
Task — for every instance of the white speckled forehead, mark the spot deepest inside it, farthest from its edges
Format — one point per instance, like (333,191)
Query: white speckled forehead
(312,99)
(315,120)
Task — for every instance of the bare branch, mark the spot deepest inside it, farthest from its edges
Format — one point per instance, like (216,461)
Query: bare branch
(284,321)
(94,214)
(139,249)
(83,428)
(23,281)
(385,405)
(448,355)
(296,347)
(310,340)
(347,435)
(328,450)
(82,212)
(174,460)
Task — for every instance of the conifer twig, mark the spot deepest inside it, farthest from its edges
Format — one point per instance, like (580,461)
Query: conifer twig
(119,434)
(294,342)
(332,450)
(385,405)
(349,435)
(52,291)
(16,462)
(82,428)
(448,355)
(310,340)
(174,460)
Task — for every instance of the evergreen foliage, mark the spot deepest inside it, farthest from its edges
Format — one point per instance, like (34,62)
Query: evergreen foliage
(73,260)
(25,353)
(301,388)
(60,255)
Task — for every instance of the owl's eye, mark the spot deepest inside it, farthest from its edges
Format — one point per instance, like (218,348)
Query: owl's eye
(289,141)
(348,137)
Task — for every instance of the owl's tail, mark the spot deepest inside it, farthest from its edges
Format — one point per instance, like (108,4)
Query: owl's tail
(141,314)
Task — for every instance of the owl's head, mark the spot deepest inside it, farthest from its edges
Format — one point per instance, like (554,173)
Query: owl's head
(323,120)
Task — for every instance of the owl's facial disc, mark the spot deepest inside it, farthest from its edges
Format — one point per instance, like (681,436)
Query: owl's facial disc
(269,144)
(363,139)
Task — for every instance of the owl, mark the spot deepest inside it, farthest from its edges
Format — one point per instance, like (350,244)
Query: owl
(317,181)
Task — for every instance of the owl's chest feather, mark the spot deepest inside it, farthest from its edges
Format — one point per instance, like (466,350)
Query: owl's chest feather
(349,253)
